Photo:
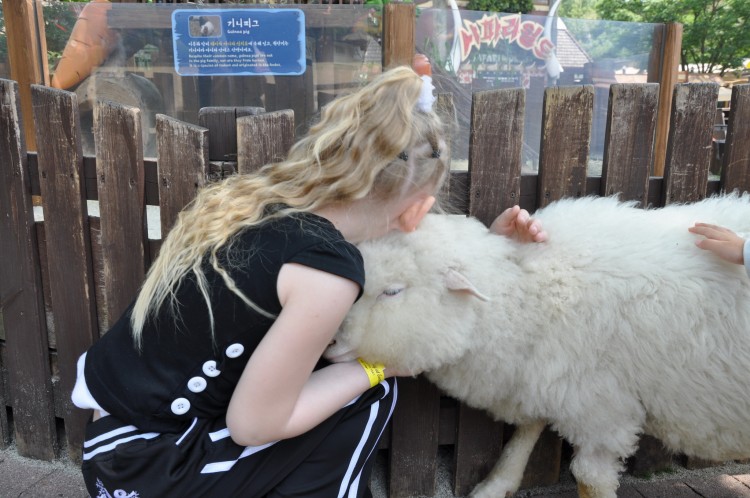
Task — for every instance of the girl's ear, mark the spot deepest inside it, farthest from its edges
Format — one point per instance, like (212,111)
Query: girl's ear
(413,214)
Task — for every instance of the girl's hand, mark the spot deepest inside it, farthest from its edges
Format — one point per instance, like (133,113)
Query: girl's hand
(516,223)
(721,241)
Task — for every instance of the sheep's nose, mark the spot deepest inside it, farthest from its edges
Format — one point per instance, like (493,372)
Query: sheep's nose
(332,343)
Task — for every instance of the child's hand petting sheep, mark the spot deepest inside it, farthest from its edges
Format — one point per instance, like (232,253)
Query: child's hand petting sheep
(516,223)
(721,241)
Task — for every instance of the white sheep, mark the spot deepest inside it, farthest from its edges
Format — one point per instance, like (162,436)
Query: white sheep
(617,326)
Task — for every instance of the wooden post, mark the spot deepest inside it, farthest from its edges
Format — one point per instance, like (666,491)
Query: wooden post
(688,154)
(66,228)
(629,140)
(122,206)
(263,139)
(663,69)
(566,139)
(27,54)
(735,171)
(21,298)
(182,169)
(399,33)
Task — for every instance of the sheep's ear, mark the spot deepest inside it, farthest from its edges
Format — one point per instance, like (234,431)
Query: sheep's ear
(456,281)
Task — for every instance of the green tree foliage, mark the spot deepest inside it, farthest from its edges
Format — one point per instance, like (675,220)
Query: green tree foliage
(505,6)
(578,9)
(715,32)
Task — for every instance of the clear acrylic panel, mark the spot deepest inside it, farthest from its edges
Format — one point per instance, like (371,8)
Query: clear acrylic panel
(473,51)
(133,62)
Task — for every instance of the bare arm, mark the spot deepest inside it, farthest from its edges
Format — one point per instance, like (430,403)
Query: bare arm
(278,395)
(721,241)
(516,223)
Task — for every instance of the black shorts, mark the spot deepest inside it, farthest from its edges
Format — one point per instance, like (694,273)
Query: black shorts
(332,460)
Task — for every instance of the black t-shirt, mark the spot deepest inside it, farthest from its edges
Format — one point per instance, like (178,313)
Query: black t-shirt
(182,371)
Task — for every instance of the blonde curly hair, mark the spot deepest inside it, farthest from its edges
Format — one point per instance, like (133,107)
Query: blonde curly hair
(355,151)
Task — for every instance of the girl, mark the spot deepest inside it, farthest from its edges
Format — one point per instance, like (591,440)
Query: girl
(212,383)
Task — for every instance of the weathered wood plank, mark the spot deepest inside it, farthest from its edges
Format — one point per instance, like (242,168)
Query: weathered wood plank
(668,41)
(689,148)
(414,440)
(122,206)
(399,32)
(71,279)
(27,49)
(543,468)
(21,297)
(479,440)
(263,139)
(495,143)
(735,170)
(221,123)
(629,141)
(5,435)
(182,161)
(566,139)
(495,146)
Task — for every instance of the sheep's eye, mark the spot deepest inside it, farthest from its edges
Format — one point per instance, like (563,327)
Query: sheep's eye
(391,291)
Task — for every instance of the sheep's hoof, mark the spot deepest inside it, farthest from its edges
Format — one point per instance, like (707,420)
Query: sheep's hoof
(585,491)
(491,490)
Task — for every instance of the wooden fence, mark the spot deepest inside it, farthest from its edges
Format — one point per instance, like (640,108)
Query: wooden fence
(64,280)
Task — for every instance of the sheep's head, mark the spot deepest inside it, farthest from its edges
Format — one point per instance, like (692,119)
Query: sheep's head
(417,311)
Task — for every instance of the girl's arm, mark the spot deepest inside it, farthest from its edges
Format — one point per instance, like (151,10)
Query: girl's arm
(278,395)
(721,241)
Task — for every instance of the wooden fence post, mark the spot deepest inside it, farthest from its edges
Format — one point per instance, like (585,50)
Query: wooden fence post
(689,148)
(566,138)
(182,161)
(414,439)
(121,185)
(21,297)
(735,170)
(263,139)
(495,142)
(629,141)
(27,54)
(399,32)
(66,228)
(667,49)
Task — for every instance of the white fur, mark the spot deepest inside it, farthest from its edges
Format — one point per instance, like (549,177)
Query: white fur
(617,326)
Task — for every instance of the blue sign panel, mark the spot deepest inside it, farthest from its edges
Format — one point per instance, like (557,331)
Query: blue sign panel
(222,42)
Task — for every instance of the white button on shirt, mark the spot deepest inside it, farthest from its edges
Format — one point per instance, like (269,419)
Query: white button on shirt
(235,350)
(197,384)
(209,368)
(180,406)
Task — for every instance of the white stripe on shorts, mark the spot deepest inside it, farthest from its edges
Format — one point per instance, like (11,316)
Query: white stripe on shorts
(109,435)
(211,468)
(111,446)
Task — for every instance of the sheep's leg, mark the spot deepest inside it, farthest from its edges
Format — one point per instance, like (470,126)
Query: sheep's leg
(505,477)
(596,472)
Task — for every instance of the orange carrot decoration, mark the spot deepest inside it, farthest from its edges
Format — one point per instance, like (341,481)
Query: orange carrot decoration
(91,41)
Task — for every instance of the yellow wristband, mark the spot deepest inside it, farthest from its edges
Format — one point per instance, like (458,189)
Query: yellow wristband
(375,371)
